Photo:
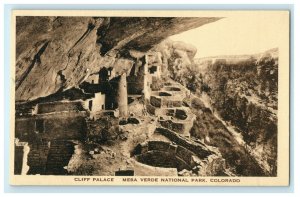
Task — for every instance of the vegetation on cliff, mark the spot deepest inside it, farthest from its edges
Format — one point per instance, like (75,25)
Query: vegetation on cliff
(243,91)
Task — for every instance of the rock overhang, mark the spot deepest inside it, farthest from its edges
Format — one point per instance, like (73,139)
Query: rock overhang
(57,53)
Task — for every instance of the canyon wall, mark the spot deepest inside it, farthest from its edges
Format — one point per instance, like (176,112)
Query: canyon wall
(245,94)
(243,91)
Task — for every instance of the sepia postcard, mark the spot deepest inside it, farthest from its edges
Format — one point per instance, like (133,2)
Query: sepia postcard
(186,98)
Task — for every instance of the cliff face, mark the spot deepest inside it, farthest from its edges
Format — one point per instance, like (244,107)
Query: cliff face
(176,56)
(57,53)
(54,54)
(243,91)
(245,94)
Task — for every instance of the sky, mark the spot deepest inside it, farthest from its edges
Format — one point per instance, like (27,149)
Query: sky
(237,34)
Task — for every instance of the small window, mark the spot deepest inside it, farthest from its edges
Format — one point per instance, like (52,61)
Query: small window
(90,105)
(153,69)
(39,126)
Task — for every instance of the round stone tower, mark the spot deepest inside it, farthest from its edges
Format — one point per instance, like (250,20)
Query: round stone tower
(122,97)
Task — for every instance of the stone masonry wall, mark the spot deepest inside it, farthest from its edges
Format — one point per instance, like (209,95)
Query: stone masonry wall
(56,126)
(199,149)
(59,156)
(172,149)
(49,157)
(59,106)
(37,157)
(18,159)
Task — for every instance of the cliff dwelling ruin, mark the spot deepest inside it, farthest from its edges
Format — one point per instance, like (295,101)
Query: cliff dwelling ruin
(98,96)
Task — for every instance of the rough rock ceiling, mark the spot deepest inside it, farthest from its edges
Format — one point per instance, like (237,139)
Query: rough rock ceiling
(57,53)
